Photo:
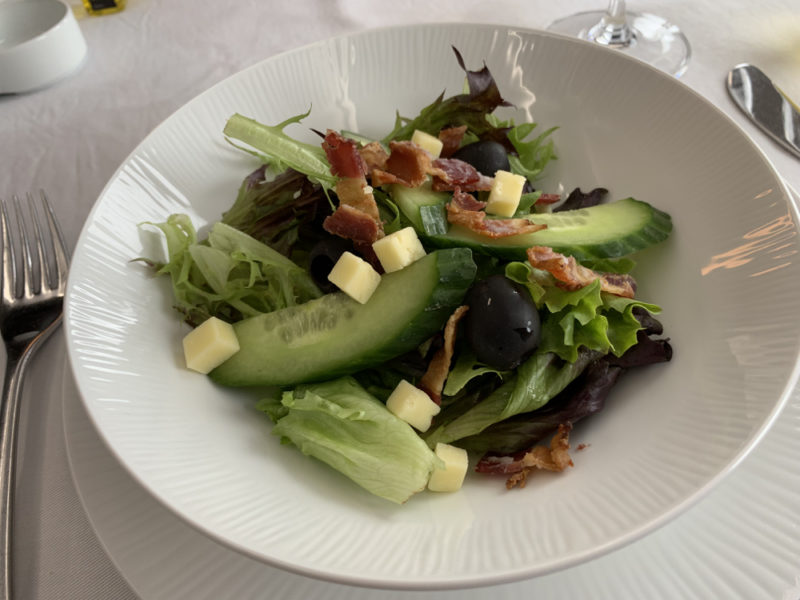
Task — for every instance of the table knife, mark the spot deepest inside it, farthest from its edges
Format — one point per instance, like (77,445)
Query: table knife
(766,105)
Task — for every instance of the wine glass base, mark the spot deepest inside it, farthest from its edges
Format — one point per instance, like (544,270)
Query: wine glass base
(650,38)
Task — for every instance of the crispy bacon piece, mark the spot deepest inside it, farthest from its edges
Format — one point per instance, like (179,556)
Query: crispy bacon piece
(357,217)
(548,199)
(458,174)
(353,224)
(343,155)
(554,457)
(573,276)
(451,139)
(461,211)
(407,165)
(432,382)
(374,156)
(468,202)
(354,192)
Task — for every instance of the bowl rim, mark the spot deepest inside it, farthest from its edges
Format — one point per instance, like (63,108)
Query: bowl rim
(508,575)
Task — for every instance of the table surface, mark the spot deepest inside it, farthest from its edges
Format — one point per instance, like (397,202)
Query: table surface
(145,62)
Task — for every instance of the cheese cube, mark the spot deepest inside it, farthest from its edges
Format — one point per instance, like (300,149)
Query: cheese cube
(398,249)
(209,345)
(427,142)
(452,476)
(414,406)
(355,277)
(505,194)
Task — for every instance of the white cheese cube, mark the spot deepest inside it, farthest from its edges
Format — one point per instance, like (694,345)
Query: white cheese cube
(427,142)
(398,249)
(452,476)
(355,277)
(505,194)
(414,406)
(209,345)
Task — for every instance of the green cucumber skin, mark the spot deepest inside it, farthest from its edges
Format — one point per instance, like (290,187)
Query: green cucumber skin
(604,231)
(408,307)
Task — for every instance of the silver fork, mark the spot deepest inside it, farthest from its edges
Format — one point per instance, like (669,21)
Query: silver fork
(34,280)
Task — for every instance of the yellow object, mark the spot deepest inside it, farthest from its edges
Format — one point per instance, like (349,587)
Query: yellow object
(505,194)
(103,7)
(398,249)
(209,345)
(451,478)
(412,405)
(427,142)
(355,277)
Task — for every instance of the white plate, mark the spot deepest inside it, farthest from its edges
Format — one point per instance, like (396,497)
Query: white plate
(727,279)
(739,543)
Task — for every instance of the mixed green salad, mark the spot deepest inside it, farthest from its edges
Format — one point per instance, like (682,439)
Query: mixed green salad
(510,311)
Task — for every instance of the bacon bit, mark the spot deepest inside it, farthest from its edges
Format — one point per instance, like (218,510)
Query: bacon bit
(554,458)
(407,165)
(432,381)
(582,447)
(475,220)
(351,223)
(354,191)
(374,156)
(451,140)
(343,155)
(548,199)
(468,202)
(357,217)
(573,276)
(457,173)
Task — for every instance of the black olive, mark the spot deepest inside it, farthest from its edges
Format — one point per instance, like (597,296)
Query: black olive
(487,156)
(502,324)
(323,256)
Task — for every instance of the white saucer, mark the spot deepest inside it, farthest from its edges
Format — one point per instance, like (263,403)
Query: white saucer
(740,542)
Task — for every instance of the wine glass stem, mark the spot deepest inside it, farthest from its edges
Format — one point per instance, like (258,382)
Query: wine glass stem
(613,29)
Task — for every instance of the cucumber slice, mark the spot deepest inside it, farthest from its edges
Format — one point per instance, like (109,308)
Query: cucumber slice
(603,231)
(335,335)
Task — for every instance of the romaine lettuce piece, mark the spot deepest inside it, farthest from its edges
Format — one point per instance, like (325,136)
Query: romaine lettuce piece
(536,381)
(341,424)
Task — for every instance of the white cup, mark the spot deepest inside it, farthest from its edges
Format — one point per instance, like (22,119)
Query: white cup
(40,44)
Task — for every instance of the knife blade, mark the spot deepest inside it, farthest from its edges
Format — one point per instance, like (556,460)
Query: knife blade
(766,105)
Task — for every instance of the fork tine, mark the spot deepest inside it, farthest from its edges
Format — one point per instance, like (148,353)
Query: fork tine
(8,256)
(43,263)
(27,257)
(59,246)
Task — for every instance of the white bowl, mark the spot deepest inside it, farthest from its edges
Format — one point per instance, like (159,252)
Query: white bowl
(40,44)
(728,280)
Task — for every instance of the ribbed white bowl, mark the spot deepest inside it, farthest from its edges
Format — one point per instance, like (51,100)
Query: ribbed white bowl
(728,280)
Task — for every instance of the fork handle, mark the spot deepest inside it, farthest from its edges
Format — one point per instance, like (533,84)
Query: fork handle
(12,392)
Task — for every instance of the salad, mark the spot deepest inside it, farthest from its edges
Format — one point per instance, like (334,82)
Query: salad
(414,307)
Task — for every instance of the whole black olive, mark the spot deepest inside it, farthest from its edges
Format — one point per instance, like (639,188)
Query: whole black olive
(487,156)
(323,256)
(502,324)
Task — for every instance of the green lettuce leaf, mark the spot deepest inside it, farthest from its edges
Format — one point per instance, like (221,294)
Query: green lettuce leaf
(465,369)
(470,108)
(230,276)
(342,425)
(533,155)
(537,380)
(586,317)
(282,150)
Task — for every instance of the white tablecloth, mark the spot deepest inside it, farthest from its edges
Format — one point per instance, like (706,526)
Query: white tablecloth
(148,60)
